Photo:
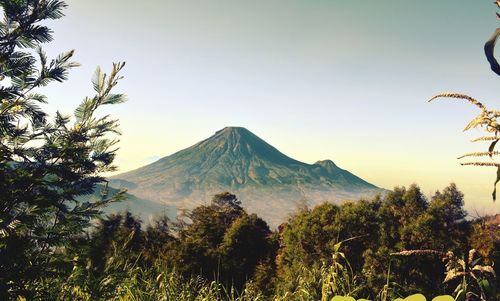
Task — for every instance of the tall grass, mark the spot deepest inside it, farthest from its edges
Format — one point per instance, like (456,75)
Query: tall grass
(127,281)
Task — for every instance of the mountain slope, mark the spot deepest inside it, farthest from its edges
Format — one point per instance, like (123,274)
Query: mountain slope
(144,209)
(236,160)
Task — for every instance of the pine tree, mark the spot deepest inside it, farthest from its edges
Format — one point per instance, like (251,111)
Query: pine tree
(45,166)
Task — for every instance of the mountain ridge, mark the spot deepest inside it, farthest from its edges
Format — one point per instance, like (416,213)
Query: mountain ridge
(234,159)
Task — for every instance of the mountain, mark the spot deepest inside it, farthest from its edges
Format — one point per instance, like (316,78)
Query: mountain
(146,210)
(267,182)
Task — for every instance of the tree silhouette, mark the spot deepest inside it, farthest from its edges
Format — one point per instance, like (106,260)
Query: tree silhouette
(45,165)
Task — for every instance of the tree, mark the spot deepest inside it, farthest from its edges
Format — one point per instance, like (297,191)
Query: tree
(222,242)
(245,245)
(438,225)
(448,224)
(200,238)
(399,210)
(358,226)
(158,239)
(307,241)
(100,262)
(226,199)
(45,166)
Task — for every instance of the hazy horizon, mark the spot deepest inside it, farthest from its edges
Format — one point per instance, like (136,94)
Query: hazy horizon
(340,80)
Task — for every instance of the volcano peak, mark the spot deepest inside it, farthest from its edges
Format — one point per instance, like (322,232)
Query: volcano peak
(236,160)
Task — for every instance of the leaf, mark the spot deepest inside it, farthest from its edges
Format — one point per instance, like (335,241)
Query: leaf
(43,57)
(492,146)
(494,195)
(336,247)
(443,298)
(98,80)
(113,99)
(342,298)
(485,286)
(460,295)
(416,297)
(84,110)
(54,9)
(489,51)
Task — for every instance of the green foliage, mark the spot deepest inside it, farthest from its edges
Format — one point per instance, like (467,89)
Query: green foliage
(485,238)
(474,279)
(244,246)
(45,166)
(223,253)
(158,239)
(309,236)
(224,243)
(55,245)
(340,278)
(403,219)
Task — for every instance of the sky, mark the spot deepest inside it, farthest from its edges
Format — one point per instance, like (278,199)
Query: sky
(342,80)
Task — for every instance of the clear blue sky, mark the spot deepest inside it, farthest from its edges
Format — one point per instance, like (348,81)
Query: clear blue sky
(341,79)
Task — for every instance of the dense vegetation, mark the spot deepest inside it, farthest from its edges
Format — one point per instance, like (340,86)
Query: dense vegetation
(220,252)
(54,246)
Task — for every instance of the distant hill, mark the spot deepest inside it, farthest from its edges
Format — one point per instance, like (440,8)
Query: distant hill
(267,182)
(146,210)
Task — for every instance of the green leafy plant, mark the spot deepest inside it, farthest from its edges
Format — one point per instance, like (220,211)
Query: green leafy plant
(339,278)
(45,166)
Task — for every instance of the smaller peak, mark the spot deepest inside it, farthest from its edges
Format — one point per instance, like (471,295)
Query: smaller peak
(326,163)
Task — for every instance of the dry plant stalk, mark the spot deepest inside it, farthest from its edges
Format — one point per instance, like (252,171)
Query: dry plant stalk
(455,267)
(487,119)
